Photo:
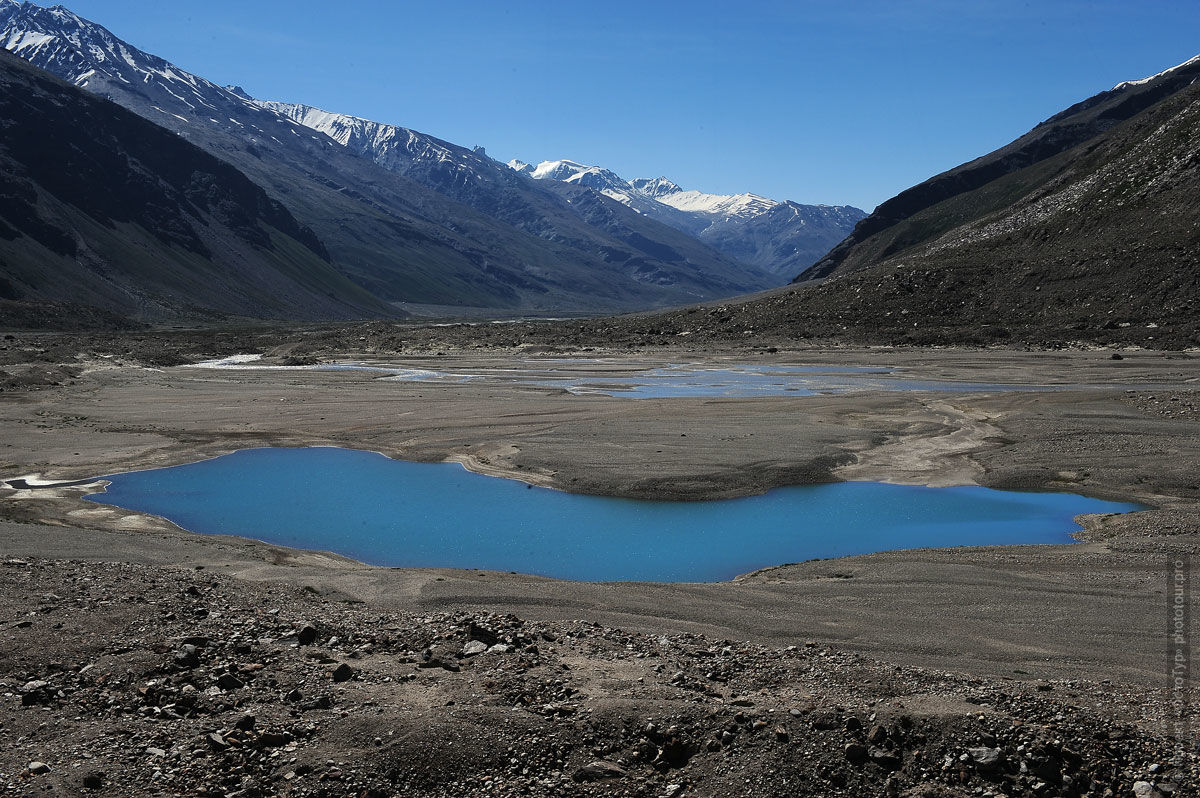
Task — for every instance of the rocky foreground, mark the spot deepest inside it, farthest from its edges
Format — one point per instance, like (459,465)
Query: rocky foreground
(120,679)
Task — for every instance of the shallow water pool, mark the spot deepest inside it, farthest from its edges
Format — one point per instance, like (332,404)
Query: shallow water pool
(584,377)
(390,512)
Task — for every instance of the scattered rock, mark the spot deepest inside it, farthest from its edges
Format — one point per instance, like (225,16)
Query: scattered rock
(343,673)
(158,728)
(38,768)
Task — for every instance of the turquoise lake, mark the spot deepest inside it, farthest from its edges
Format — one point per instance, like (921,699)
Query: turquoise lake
(395,513)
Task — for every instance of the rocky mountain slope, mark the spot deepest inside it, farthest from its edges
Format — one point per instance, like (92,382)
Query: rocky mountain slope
(100,207)
(781,237)
(439,241)
(1085,229)
(487,186)
(1034,165)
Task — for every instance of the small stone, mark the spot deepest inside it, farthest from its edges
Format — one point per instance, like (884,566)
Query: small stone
(274,739)
(38,768)
(853,724)
(499,648)
(307,635)
(187,656)
(1144,789)
(245,723)
(781,734)
(36,692)
(343,673)
(984,757)
(877,735)
(598,770)
(856,753)
(93,780)
(884,758)
(474,647)
(216,742)
(227,681)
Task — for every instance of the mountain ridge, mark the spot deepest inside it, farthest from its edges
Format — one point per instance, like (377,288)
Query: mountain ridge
(100,207)
(461,242)
(885,233)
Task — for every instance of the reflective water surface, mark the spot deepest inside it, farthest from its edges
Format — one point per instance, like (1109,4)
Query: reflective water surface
(389,512)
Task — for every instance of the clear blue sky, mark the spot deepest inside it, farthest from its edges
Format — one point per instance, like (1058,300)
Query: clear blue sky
(835,102)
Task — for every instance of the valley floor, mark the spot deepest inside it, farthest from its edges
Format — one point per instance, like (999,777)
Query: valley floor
(1054,642)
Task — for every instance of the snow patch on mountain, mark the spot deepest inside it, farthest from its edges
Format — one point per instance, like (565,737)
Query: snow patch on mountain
(719,204)
(1127,83)
(768,233)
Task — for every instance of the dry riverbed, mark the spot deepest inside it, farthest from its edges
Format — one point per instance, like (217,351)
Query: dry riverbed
(1047,645)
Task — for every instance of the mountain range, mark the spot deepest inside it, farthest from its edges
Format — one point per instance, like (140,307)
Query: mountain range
(407,217)
(784,238)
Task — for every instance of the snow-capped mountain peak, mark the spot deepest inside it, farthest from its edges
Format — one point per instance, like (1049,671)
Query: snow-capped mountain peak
(654,187)
(768,233)
(92,57)
(573,172)
(658,189)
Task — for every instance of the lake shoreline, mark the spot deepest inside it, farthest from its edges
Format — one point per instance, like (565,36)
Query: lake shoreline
(1102,443)
(935,637)
(394,513)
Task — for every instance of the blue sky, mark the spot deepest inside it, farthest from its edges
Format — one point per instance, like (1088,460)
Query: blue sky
(834,102)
